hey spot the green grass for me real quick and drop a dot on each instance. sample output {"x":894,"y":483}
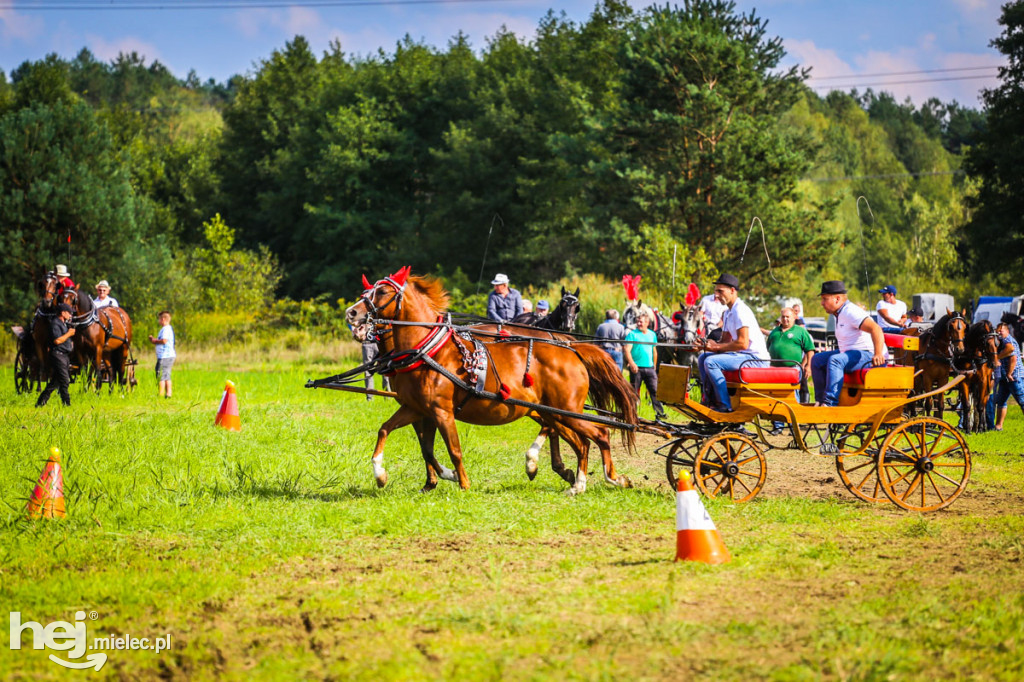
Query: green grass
{"x":271,"y":553}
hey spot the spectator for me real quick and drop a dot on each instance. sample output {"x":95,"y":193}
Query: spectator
{"x":165,"y":354}
{"x":641,"y":356}
{"x":892,"y":313}
{"x":712,"y":310}
{"x":861,"y":344}
{"x":612,"y":330}
{"x":997,"y":377}
{"x":370,"y":351}
{"x":527,"y":306}
{"x":504,"y":303}
{"x":798,"y":310}
{"x":103,"y":298}
{"x":60,"y":363}
{"x":742,"y":344}
{"x":794,"y":344}
{"x":1012,"y":381}
{"x":543,"y":308}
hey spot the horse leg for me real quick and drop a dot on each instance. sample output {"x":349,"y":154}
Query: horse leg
{"x":557,"y":465}
{"x":533,"y":452}
{"x":580,"y":447}
{"x":446,"y":425}
{"x":99,"y":367}
{"x":426,"y":430}
{"x":403,"y":417}
{"x":599,"y":435}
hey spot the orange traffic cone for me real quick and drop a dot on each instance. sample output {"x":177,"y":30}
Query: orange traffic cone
{"x":227,"y":413}
{"x":47,"y":499}
{"x":697,"y":539}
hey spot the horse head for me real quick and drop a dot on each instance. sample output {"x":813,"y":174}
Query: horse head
{"x":382,"y":300}
{"x":957,"y":333}
{"x":567,"y":310}
{"x":46,"y":289}
{"x":690,"y":323}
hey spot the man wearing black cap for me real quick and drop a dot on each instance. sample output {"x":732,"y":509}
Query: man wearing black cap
{"x":60,"y":376}
{"x":861,"y":343}
{"x":742,"y":344}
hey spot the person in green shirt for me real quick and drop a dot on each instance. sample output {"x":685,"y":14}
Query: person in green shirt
{"x":641,"y":357}
{"x":790,"y":341}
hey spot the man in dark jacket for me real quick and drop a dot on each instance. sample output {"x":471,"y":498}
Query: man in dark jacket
{"x":60,"y":340}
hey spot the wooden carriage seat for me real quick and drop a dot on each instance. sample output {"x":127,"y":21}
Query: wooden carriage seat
{"x":763,"y":375}
{"x":902,"y":342}
{"x":887,"y":377}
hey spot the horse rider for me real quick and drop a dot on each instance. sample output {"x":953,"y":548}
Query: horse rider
{"x":504,"y":304}
{"x":861,"y":344}
{"x":543,"y":308}
{"x":892,"y":313}
{"x":103,"y":298}
{"x":742,"y":344}
{"x":60,"y":349}
{"x":64,"y":281}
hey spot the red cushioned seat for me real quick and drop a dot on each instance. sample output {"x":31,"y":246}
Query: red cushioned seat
{"x":764,"y":375}
{"x":857,"y":378}
{"x":896,"y":340}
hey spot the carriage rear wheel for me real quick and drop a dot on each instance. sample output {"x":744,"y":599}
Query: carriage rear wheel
{"x":681,"y":456}
{"x":22,"y":373}
{"x":924,"y":464}
{"x":730,"y":464}
{"x":859,"y":473}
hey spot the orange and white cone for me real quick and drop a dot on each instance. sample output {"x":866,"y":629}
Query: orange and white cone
{"x":227,"y":413}
{"x":47,"y":499}
{"x":697,"y":539}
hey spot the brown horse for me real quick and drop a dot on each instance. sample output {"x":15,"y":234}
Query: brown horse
{"x":39,"y":329}
{"x":979,"y":361}
{"x":941,"y":346}
{"x":103,"y":337}
{"x":433,"y":395}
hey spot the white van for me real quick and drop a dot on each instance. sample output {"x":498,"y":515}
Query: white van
{"x":991,"y":308}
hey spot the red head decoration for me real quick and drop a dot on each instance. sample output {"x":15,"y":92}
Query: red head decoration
{"x":692,"y":294}
{"x":401,"y":276}
{"x":632,"y":287}
{"x":366,"y":284}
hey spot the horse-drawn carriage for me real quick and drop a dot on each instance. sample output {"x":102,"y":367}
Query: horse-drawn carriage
{"x":487,"y":374}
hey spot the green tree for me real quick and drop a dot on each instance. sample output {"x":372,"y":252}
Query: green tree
{"x":232,"y":279}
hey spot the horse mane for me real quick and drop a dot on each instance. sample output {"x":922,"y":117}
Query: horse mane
{"x":431,"y":289}
{"x":84,"y":301}
{"x":941,"y":326}
{"x":978,"y":330}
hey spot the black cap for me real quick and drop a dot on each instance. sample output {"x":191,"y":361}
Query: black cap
{"x":728,"y":280}
{"x":916,"y":311}
{"x":832,"y":286}
{"x":65,"y":308}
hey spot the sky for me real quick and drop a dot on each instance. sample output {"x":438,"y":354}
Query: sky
{"x":911,"y":48}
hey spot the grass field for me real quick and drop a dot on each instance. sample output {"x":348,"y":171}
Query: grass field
{"x":271,"y":553}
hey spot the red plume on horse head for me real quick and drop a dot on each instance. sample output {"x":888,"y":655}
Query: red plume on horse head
{"x":632,"y":287}
{"x":366,"y":284}
{"x":401,"y":276}
{"x":692,"y":294}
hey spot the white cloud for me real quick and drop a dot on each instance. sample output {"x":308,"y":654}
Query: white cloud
{"x":18,"y":27}
{"x":108,"y":50}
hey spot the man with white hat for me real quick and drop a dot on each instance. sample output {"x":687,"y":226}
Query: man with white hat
{"x":103,"y":298}
{"x":504,"y":303}
{"x":64,"y":280}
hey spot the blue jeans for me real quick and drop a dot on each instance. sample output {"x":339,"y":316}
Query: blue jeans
{"x":1007,"y":388}
{"x":990,"y":408}
{"x":616,"y":356}
{"x":711,"y":367}
{"x":827,"y":370}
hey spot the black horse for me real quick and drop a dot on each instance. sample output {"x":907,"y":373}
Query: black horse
{"x":561,"y":319}
{"x":1016,"y":323}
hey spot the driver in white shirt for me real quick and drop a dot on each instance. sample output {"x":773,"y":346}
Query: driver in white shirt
{"x":861,"y":343}
{"x":103,"y":298}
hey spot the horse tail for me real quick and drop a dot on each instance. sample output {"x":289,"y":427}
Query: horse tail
{"x":609,"y":390}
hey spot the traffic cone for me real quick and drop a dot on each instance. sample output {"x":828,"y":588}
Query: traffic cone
{"x":697,"y":539}
{"x":227,"y":413}
{"x":47,"y":499}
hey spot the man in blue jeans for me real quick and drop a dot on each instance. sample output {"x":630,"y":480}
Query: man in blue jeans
{"x":612,"y":330}
{"x":861,"y":343}
{"x":1012,"y":382}
{"x":742,"y":344}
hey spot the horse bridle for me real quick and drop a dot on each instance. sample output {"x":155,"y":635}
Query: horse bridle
{"x":570,"y":310}
{"x":373,"y":311}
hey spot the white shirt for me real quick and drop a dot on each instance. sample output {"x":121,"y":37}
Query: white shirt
{"x":712,"y":310}
{"x":894,"y":310}
{"x":105,"y":303}
{"x":165,"y":350}
{"x":848,"y":332}
{"x":738,"y":316}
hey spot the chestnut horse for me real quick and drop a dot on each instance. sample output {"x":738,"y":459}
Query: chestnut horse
{"x":941,"y":346}
{"x":979,"y":360}
{"x":546,"y":374}
{"x":103,"y":336}
{"x":39,"y":328}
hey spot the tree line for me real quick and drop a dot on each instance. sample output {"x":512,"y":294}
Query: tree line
{"x":636,"y":141}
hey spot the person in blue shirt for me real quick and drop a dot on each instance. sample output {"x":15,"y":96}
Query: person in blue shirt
{"x":612,"y":330}
{"x":1013,"y":374}
{"x":641,"y":356}
{"x":504,"y":303}
{"x":165,"y":355}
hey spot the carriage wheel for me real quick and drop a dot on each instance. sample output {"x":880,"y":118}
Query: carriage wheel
{"x":730,"y":464}
{"x":924,"y":464}
{"x":22,"y":373}
{"x":859,"y":473}
{"x":681,"y":456}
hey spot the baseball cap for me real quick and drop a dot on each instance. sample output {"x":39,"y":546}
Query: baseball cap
{"x":887,"y":289}
{"x":542,"y":305}
{"x":65,"y":308}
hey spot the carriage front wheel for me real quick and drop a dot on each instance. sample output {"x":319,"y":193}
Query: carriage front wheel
{"x":730,"y":464}
{"x":924,"y":464}
{"x":22,"y":372}
{"x":681,"y":455}
{"x":859,"y":473}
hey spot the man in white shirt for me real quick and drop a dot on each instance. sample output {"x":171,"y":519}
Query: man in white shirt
{"x":892,"y":313}
{"x":742,"y":344}
{"x":861,"y":343}
{"x":712,"y":311}
{"x":103,"y":298}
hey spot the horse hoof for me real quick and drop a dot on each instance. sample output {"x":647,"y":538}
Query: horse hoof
{"x":428,"y":487}
{"x":570,"y":478}
{"x":382,"y":480}
{"x":531,"y":472}
{"x":624,"y":482}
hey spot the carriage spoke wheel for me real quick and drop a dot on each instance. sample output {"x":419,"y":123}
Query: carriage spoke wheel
{"x":681,"y":456}
{"x":22,"y":373}
{"x":924,"y":464}
{"x":859,"y":473}
{"x":730,"y":465}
